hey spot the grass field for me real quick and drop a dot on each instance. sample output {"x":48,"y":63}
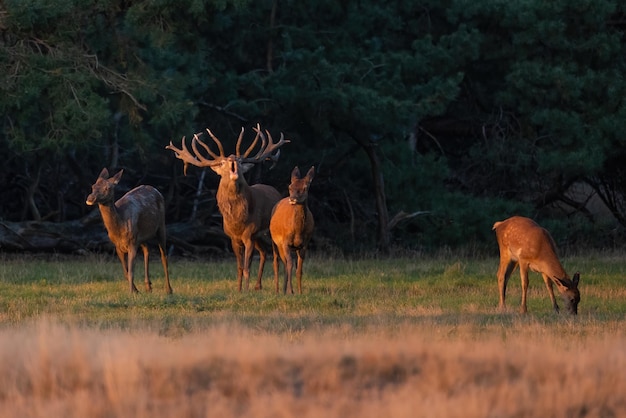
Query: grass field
{"x":402,"y":337}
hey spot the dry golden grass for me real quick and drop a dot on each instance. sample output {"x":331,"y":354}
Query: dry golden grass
{"x":519,"y":369}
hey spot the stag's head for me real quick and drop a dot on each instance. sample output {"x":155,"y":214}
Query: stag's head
{"x":299,"y":186}
{"x":230,"y":167}
{"x":103,"y":190}
{"x":570,"y":293}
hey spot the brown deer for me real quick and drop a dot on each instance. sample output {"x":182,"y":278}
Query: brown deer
{"x":522,"y":242}
{"x":131,"y":222}
{"x":291,"y":228}
{"x":245,"y":209}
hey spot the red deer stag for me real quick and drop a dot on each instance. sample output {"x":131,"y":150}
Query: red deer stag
{"x":134,"y":219}
{"x":522,"y":242}
{"x":291,"y":228}
{"x":245,"y":209}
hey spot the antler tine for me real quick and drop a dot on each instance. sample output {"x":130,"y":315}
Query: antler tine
{"x":196,"y":140}
{"x":217,"y":141}
{"x":238,"y":146}
{"x":266,"y":150}
{"x":251,"y":147}
{"x":183,"y":154}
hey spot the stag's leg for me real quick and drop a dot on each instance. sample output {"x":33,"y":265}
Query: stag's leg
{"x":548,"y":283}
{"x":504,"y":272}
{"x":247,"y":261}
{"x":238,"y":250}
{"x":523,"y":272}
{"x":146,"y":267}
{"x":262,"y":256}
{"x":301,"y":255}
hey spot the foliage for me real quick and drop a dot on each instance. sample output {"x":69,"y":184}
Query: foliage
{"x":477,"y":109}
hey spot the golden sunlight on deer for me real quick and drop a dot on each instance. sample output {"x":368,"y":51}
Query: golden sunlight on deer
{"x":291,"y":228}
{"x":245,"y":209}
{"x":134,"y":219}
{"x":523,"y":242}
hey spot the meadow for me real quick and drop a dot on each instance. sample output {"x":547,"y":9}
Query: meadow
{"x":408,"y":336}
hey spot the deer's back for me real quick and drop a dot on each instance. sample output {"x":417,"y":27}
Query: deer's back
{"x":526,"y":241}
{"x":144,"y":208}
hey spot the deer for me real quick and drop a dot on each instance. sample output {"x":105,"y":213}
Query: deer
{"x":246,"y":209}
{"x":131,"y":222}
{"x":522,"y":242}
{"x":291,"y":228}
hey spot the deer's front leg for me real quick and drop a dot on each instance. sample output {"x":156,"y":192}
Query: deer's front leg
{"x":548,"y":283}
{"x":238,"y":250}
{"x":132,"y":253}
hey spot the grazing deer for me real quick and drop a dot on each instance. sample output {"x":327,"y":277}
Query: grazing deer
{"x":131,"y":221}
{"x":291,"y":228}
{"x":245,"y":209}
{"x":522,"y":242}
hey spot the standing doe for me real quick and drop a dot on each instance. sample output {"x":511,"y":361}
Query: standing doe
{"x":135,"y":218}
{"x":522,"y":242}
{"x":245,"y":209}
{"x":291,"y":228}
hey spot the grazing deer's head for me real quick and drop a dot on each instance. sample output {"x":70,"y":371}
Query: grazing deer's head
{"x":569,"y":292}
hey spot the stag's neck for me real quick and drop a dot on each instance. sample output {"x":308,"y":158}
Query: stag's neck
{"x":233,"y":199}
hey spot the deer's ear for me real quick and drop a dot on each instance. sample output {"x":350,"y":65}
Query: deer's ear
{"x":295,"y":173}
{"x":104,"y":174}
{"x":311,"y":173}
{"x":116,"y":178}
{"x":245,"y":167}
{"x":576,"y":279}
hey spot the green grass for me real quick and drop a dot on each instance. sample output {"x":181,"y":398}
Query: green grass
{"x":354,"y":294}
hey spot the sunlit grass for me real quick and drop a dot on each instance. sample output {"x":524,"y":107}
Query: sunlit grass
{"x":402,"y":337}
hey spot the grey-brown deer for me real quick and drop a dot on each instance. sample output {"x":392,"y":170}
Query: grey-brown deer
{"x":245,"y":209}
{"x":131,"y":222}
{"x":291,"y":228}
{"x":523,"y":242}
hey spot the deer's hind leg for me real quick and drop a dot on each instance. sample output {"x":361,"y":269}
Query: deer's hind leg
{"x":507,"y":265}
{"x":146,"y":267}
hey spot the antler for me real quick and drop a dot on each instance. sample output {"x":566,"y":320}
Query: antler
{"x":269,"y":149}
{"x":196,"y":158}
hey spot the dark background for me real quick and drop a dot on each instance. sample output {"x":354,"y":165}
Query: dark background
{"x":426,"y":120}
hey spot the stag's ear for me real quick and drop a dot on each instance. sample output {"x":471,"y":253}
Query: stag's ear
{"x":116,"y":178}
{"x":310,"y":174}
{"x":245,"y":167}
{"x":576,"y":279}
{"x":295,"y":173}
{"x":104,"y":174}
